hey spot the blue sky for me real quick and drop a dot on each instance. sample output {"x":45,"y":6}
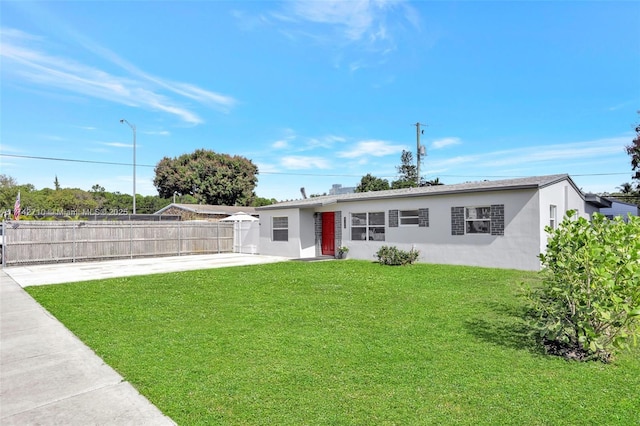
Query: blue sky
{"x":319,"y":92}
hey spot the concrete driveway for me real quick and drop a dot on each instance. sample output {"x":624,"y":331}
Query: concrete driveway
{"x":83,"y":271}
{"x":47,"y":375}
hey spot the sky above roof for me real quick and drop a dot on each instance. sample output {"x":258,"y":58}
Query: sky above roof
{"x":317,"y":93}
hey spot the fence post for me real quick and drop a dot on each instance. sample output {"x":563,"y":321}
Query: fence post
{"x":218,"y":235}
{"x":130,"y":238}
{"x":4,"y":240}
{"x":73,"y":247}
{"x":179,"y":237}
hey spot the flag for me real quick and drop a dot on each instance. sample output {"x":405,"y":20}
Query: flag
{"x":16,"y":208}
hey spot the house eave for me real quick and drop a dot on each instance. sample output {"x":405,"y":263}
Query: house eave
{"x":536,"y":182}
{"x":597,"y":201}
{"x":435,"y":194}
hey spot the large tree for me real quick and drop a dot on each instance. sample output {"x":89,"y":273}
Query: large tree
{"x":627,"y":191}
{"x":212,"y":178}
{"x":634,"y":151}
{"x":407,"y":172}
{"x":372,"y":183}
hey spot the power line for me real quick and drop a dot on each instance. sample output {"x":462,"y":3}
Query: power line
{"x":32,"y":157}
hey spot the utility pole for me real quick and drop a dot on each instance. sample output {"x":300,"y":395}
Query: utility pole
{"x":420,"y":150}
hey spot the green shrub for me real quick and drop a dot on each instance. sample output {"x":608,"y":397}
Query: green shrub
{"x":394,"y":256}
{"x":588,"y":305}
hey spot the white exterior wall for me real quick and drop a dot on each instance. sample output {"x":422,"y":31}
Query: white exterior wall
{"x":565,"y":197}
{"x":517,"y":248}
{"x":301,"y":241}
{"x":290,"y":248}
{"x":307,"y":234}
{"x":620,"y":209}
{"x":526,"y":214}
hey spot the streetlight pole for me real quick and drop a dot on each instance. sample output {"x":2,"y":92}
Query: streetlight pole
{"x":133,"y":127}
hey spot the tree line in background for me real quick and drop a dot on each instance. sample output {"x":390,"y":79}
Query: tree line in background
{"x":58,"y":201}
{"x":203,"y":177}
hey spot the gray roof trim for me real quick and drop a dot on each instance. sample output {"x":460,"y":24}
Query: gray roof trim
{"x":613,"y":199}
{"x":426,"y":191}
{"x":597,"y":200}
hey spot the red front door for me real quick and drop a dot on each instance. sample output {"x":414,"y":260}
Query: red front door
{"x":328,"y":234}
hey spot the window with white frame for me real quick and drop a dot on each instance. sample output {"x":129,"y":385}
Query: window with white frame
{"x":478,"y":220}
{"x":367,"y":226}
{"x":553,"y":216}
{"x":409,"y":217}
{"x":280,"y":228}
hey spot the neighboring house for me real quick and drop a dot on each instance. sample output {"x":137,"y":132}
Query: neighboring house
{"x":338,"y":189}
{"x":490,"y":223}
{"x":204,"y":211}
{"x":620,"y":208}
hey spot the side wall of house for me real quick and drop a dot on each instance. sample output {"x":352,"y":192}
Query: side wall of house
{"x":439,"y":228}
{"x":300,"y":240}
{"x":620,"y":209}
{"x":564,"y":197}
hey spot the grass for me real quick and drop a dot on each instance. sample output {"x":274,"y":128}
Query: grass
{"x":341,"y":343}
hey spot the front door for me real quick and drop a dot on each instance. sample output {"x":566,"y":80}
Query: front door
{"x":328,"y":234}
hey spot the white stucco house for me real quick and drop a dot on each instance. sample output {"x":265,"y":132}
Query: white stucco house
{"x":489,"y":223}
{"x":620,"y":208}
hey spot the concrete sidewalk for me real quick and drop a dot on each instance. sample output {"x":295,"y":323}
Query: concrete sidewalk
{"x":47,"y":375}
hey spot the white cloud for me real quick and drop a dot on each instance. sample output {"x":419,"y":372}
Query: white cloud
{"x":200,"y":95}
{"x":267,"y":167}
{"x":158,"y":132}
{"x":117,"y":144}
{"x":299,"y":162}
{"x":374,"y":148}
{"x":289,"y":135}
{"x":370,"y":26}
{"x":356,"y":18}
{"x":323,"y":142}
{"x":24,"y":61}
{"x":559,"y":155}
{"x":445,"y":142}
{"x":564,"y":152}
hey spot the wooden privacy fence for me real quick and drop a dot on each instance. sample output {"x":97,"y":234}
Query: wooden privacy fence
{"x":27,"y":242}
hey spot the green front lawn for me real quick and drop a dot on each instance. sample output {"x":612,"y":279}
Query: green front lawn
{"x":341,"y":343}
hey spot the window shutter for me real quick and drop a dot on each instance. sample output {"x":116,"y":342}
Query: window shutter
{"x":393,"y":218}
{"x":457,"y":220}
{"x":497,"y":219}
{"x":423,"y":218}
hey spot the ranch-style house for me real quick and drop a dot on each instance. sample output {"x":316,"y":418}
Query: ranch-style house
{"x":490,"y":223}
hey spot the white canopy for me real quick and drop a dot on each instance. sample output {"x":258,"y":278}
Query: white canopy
{"x":239,"y":217}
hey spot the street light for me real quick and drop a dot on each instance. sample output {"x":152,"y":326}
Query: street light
{"x":133,"y":127}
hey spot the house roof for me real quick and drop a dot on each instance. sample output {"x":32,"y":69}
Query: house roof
{"x":619,"y":201}
{"x":459,"y":188}
{"x":597,"y":200}
{"x":209,"y":209}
